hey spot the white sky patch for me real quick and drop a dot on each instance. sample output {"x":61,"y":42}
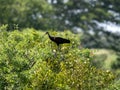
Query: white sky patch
{"x":55,"y":1}
{"x":110,"y":27}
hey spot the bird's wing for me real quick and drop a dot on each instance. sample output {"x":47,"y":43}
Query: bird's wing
{"x":62,"y":40}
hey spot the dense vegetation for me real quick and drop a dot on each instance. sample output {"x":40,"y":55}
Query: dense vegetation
{"x":29,"y":60}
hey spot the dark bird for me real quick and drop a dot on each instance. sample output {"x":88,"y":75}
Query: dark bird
{"x":58,"y":40}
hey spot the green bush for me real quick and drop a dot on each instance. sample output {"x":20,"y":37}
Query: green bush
{"x":30,"y":61}
{"x":116,"y":64}
{"x":99,"y":60}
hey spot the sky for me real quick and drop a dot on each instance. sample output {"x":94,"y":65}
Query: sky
{"x":111,"y":27}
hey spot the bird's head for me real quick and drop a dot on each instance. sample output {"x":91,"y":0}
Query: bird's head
{"x":47,"y":33}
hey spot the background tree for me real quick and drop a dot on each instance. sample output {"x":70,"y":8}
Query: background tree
{"x":82,"y":14}
{"x":28,"y":13}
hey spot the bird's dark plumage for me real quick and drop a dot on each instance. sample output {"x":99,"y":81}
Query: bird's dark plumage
{"x":58,"y":40}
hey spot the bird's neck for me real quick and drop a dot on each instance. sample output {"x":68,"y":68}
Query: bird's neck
{"x":49,"y":36}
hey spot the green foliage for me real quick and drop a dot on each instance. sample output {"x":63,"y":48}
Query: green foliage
{"x":25,"y":13}
{"x":103,"y":58}
{"x":84,"y":13}
{"x":115,"y":86}
{"x":99,"y":60}
{"x":102,"y":39}
{"x":29,"y":60}
{"x":59,"y":14}
{"x":116,"y":64}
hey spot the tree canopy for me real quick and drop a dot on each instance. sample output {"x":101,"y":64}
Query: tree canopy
{"x":25,"y":13}
{"x":61,"y":14}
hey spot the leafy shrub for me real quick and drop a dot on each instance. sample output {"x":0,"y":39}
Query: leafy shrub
{"x":99,"y":60}
{"x":116,"y":64}
{"x":29,"y":60}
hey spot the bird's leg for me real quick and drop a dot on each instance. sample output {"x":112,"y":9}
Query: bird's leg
{"x":59,"y":48}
